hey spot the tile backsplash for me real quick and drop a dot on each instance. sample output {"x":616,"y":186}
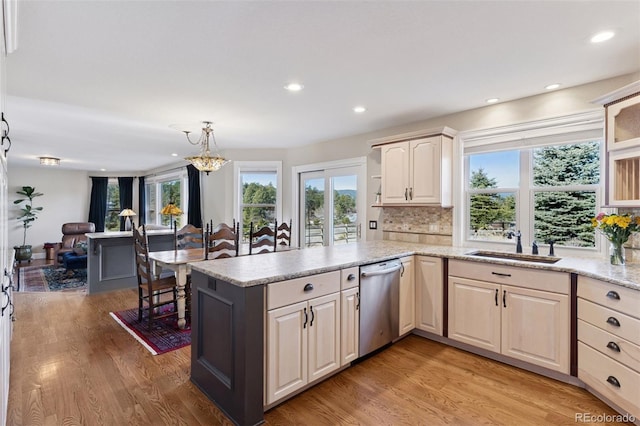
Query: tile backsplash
{"x":428,"y":225}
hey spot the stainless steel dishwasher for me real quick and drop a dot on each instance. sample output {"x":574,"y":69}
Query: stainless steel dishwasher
{"x":379,"y":304}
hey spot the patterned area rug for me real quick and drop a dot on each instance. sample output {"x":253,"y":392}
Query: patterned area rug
{"x":165,"y":336}
{"x":53,"y":279}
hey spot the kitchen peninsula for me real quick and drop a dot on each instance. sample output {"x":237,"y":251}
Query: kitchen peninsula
{"x":238,"y":303}
{"x":111,"y":261}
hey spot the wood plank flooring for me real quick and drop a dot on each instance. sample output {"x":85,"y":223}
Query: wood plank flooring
{"x":71,"y":364}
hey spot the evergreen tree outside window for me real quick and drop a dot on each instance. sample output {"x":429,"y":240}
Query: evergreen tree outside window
{"x":258,"y":199}
{"x":112,"y":220}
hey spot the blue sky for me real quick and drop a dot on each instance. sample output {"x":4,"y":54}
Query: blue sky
{"x":502,"y":166}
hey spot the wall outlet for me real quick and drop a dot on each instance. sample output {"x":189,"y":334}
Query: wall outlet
{"x":373,"y":224}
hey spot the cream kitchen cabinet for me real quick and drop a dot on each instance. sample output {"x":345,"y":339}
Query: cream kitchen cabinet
{"x":416,"y":167}
{"x":622,"y":108}
{"x":429,"y":289}
{"x":407,"y":320}
{"x":350,"y":315}
{"x":609,"y":342}
{"x":303,"y":336}
{"x":518,"y":312}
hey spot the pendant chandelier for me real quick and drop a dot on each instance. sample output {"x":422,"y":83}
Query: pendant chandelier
{"x":205,"y":162}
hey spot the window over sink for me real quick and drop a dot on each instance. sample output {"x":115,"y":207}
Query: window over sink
{"x":542,"y":179}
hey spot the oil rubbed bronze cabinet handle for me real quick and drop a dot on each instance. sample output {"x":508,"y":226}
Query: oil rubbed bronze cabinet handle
{"x":306,"y":318}
{"x":504,"y":298}
{"x":497,"y":291}
{"x":613,"y":295}
{"x":308,"y":287}
{"x":406,"y":194}
{"x":612,"y":380}
{"x":358,"y":301}
{"x":613,"y":346}
{"x":312,"y":316}
{"x":613,"y":321}
{"x":351,"y":277}
{"x":500,"y":274}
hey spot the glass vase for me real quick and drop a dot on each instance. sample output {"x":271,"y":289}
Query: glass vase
{"x":616,"y":253}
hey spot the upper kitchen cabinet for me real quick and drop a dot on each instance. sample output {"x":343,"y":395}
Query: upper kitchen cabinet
{"x":622,"y":109}
{"x":417,"y":167}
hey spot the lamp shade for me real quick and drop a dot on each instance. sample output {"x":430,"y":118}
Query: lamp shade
{"x":171,"y":209}
{"x":127,"y":213}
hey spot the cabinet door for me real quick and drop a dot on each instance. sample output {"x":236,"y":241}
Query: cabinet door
{"x":474,"y":313}
{"x":349,"y":325}
{"x":407,"y":321}
{"x":286,"y":350}
{"x":395,"y":172}
{"x":622,"y":124}
{"x":324,"y":335}
{"x":424,"y":170}
{"x":535,"y":327}
{"x":429,"y":285}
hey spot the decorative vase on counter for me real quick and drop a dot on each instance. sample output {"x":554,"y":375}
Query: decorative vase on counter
{"x":616,"y":252}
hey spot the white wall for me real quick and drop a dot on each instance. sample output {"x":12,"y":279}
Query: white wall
{"x":65,"y":199}
{"x":67,"y":193}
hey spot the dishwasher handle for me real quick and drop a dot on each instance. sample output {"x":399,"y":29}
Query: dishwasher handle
{"x":390,"y":270}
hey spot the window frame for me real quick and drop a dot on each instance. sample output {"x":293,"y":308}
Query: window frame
{"x":525,"y":137}
{"x":240,"y":167}
{"x":156,"y":181}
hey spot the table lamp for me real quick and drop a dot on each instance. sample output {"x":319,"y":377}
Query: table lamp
{"x":127,"y":213}
{"x":172,"y":210}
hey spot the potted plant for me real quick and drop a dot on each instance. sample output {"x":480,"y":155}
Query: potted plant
{"x":28,"y":214}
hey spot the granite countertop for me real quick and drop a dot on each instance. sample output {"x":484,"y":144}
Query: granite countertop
{"x":247,"y":271}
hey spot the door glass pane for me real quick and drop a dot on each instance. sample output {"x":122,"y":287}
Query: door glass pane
{"x":313,"y":227}
{"x":345,"y":215}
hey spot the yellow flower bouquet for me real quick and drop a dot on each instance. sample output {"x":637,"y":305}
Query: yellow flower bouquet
{"x":617,"y":229}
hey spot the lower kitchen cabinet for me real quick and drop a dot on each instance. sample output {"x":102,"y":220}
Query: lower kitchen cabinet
{"x":350,"y":325}
{"x":407,"y":319}
{"x":510,"y":318}
{"x":429,"y":288}
{"x":303,"y":338}
{"x":609,"y":342}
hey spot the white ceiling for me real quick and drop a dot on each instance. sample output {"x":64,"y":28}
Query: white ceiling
{"x":98,"y":83}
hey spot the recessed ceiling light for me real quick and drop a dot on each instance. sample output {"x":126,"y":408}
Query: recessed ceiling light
{"x":359,"y":109}
{"x":602,"y":36}
{"x":174,"y":154}
{"x":492,"y":100}
{"x":294,"y":87}
{"x":552,"y":86}
{"x":103,"y":170}
{"x":49,"y":161}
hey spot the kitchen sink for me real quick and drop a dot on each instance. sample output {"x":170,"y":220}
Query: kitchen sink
{"x":514,"y":256}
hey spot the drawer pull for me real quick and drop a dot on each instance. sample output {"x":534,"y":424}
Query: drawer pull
{"x":613,"y":381}
{"x":613,"y":346}
{"x":500,"y":274}
{"x":308,"y":287}
{"x":613,"y":321}
{"x":613,"y":295}
{"x":351,"y":277}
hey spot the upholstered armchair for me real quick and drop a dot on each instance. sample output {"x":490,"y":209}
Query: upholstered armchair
{"x":72,"y":234}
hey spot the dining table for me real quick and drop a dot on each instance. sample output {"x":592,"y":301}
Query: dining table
{"x":177,"y":261}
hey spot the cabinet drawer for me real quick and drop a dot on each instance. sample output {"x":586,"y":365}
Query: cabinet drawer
{"x":609,"y":320}
{"x":293,"y":291}
{"x":612,"y":296}
{"x":556,"y":282}
{"x":610,"y":345}
{"x":349,"y":278}
{"x":598,"y":371}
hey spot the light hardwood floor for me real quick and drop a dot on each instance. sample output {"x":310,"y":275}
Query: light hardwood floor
{"x":71,"y":364}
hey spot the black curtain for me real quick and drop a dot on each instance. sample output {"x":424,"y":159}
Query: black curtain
{"x":125,"y":185}
{"x":142,"y":201}
{"x":98,"y":205}
{"x":194,"y":210}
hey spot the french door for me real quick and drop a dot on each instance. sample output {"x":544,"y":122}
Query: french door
{"x":331,"y":206}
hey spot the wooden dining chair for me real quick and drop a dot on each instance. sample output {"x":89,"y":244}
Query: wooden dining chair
{"x":152,"y":291}
{"x":223,"y":241}
{"x":189,"y":237}
{"x":262,"y":240}
{"x":283,"y":235}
